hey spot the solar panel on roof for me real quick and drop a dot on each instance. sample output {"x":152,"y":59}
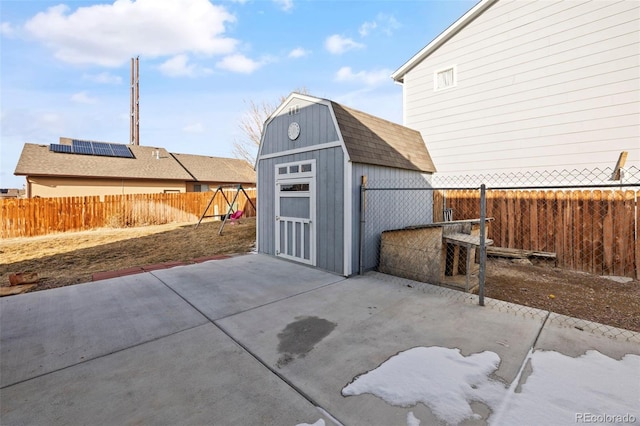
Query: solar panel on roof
{"x":121,"y":151}
{"x":103,"y":149}
{"x":82,"y":147}
{"x":60,"y":148}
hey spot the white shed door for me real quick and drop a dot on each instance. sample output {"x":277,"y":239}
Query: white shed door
{"x":295,"y":210}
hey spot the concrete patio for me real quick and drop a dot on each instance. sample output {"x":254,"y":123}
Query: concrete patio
{"x":249,"y":340}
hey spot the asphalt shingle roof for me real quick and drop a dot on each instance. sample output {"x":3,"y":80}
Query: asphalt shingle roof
{"x":373,"y":140}
{"x":149,"y":163}
{"x":216,"y":169}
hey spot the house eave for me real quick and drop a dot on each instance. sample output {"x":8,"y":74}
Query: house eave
{"x":68,"y":176}
{"x":473,"y":13}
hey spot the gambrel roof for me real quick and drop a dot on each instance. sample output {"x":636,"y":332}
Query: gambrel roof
{"x":369,"y":139}
{"x":373,"y":140}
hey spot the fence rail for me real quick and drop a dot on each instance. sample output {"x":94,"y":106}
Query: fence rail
{"x":594,"y":231}
{"x":40,"y":216}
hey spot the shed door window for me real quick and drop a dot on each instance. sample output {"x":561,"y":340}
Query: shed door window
{"x":444,"y":79}
{"x":295,"y":170}
{"x":296,"y":187}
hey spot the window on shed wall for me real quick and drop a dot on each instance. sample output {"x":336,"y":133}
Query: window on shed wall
{"x":444,"y":78}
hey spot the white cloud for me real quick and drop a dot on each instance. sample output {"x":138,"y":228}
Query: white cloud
{"x":194,"y":128}
{"x":298,"y":52}
{"x":370,"y":78}
{"x":103,"y":78}
{"x":387,"y":24}
{"x":285,"y":5}
{"x":83,"y":98}
{"x":6,"y":29}
{"x":109,"y":34}
{"x":366,"y":28}
{"x":179,"y":66}
{"x":336,"y":44}
{"x":239,"y":63}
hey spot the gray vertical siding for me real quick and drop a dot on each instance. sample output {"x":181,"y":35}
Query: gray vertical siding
{"x":391,"y":209}
{"x":329,"y":205}
{"x":316,"y":127}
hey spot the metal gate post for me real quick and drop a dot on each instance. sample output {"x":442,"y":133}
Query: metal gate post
{"x":483,"y":247}
{"x":363,"y":209}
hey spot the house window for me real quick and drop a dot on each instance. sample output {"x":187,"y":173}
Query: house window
{"x":444,"y":78}
{"x":200,"y":188}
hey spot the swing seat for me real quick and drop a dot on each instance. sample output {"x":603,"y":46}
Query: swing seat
{"x":235,"y":216}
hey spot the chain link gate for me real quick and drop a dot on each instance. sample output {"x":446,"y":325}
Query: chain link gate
{"x":577,"y":221}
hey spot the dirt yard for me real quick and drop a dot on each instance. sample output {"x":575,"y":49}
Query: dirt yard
{"x":72,"y":258}
{"x":575,"y":294}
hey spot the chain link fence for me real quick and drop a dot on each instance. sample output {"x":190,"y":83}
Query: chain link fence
{"x":579,"y":224}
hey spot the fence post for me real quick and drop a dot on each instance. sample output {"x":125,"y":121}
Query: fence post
{"x":363,"y":209}
{"x":483,"y":247}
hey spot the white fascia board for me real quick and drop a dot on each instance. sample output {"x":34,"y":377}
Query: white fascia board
{"x":348,"y":219}
{"x":348,"y":199}
{"x":473,"y":13}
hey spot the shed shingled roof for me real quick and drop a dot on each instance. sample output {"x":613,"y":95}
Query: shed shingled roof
{"x":373,"y":140}
{"x":38,"y":160}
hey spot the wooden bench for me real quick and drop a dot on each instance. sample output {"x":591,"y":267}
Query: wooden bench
{"x":469,"y":242}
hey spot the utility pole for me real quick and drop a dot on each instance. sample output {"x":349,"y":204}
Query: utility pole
{"x":134,"y":125}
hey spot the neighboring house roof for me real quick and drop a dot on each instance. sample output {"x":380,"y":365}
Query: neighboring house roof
{"x":149,"y":163}
{"x":216,"y":169}
{"x":11,"y":192}
{"x":472,"y":14}
{"x":373,"y":140}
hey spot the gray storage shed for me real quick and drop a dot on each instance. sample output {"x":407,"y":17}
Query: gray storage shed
{"x":312,"y":155}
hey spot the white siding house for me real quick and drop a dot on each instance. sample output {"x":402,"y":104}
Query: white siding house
{"x":519,"y":85}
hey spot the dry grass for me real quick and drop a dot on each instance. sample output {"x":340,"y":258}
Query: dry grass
{"x":72,"y":258}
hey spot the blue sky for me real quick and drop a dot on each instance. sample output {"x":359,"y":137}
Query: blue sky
{"x":65,"y":66}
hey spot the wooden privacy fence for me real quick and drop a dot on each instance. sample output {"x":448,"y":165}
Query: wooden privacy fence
{"x":40,"y":216}
{"x":594,"y":231}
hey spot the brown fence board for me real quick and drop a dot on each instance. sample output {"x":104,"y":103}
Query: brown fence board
{"x":629,"y":234}
{"x":607,"y":234}
{"x":595,"y":231}
{"x":41,"y":216}
{"x":637,"y":236}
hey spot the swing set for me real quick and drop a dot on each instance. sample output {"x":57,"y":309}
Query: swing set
{"x":232,"y":213}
